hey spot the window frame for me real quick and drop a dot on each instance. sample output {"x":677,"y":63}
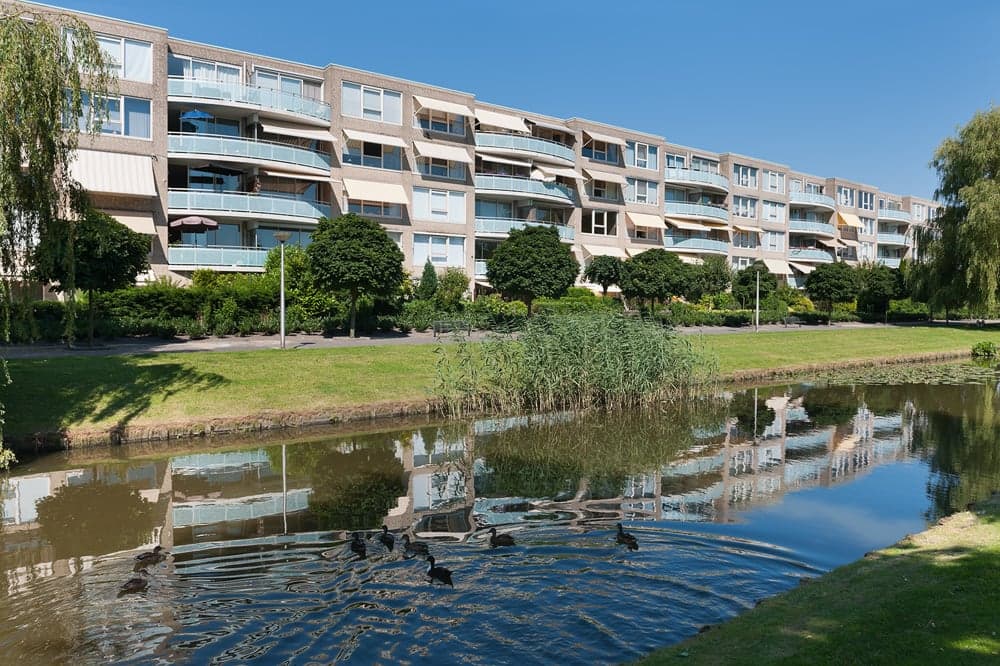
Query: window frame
{"x":751,"y":207}
{"x":592,"y":219}
{"x":745,"y":176}
{"x":358,"y":206}
{"x":381,"y":97}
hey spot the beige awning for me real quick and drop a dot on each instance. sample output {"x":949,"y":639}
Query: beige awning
{"x":494,"y":119}
{"x":113,"y":173}
{"x":358,"y":135}
{"x":749,"y":229}
{"x":849,"y":220}
{"x":606,"y":177}
{"x":829,"y":242}
{"x":138,"y":221}
{"x":441,"y":105}
{"x":555,"y":127}
{"x":296,"y":176}
{"x":632,"y":251}
{"x":443,"y":152}
{"x":687,"y":259}
{"x":504,"y":160}
{"x":850,"y":243}
{"x":645,"y":220}
{"x":606,"y":138}
{"x":684,"y":224}
{"x":605,"y":251}
{"x":778,"y":266}
{"x":290,"y":129}
{"x":560,"y":171}
{"x":802,"y":268}
{"x":366,"y":190}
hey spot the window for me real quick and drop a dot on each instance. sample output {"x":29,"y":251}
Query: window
{"x":291,"y":85}
{"x":226,"y":235}
{"x":439,"y":121}
{"x":672,"y":161}
{"x":745,"y":239}
{"x":600,"y":222}
{"x":125,"y":116}
{"x":129,"y":59}
{"x":503,"y":210}
{"x":374,"y":208}
{"x":265,"y":237}
{"x":600,"y":189}
{"x":640,"y":155}
{"x":601,"y":151}
{"x":773,"y":211}
{"x":438,"y":205}
{"x":433,"y":166}
{"x":745,"y":207}
{"x":702,"y":164}
{"x":645,"y":233}
{"x":866,"y":200}
{"x":202,"y":70}
{"x":845,"y":195}
{"x":385,"y":106}
{"x":440,"y":250}
{"x":813,"y":188}
{"x":869,"y":225}
{"x":375,"y":155}
{"x":795,"y":185}
{"x":745,"y":176}
{"x":919,"y":211}
{"x":774,"y":241}
{"x":640,"y":191}
{"x":867,"y":251}
{"x":774,"y":181}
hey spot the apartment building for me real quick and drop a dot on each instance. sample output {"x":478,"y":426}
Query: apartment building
{"x":212,"y":151}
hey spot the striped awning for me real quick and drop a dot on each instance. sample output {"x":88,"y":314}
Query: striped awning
{"x":102,"y":172}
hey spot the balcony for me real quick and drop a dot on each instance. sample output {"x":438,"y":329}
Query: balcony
{"x":807,"y":227}
{"x":242,"y":204}
{"x":191,"y":257}
{"x":810,"y":254}
{"x":521,"y":144}
{"x":480,"y":268}
{"x":515,"y":186}
{"x":244,"y":150}
{"x":502,"y":226}
{"x":684,"y":244}
{"x":891,"y":262}
{"x":897,"y":215}
{"x":696,"y":210}
{"x":810,"y":199}
{"x":892,"y":239}
{"x":693,"y":177}
{"x":238,"y":94}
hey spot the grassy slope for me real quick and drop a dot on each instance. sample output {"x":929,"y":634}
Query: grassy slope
{"x":88,"y":392}
{"x":934,"y":598}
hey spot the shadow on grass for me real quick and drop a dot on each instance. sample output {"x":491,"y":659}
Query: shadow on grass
{"x":48,"y":396}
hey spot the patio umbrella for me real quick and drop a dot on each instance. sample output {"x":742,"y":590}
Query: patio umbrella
{"x":194,"y":223}
{"x":218,"y":170}
{"x":196,"y":114}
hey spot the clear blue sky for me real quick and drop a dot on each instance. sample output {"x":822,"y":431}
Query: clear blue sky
{"x":860,"y":89}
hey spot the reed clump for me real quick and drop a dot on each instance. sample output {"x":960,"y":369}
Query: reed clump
{"x":573,"y":361}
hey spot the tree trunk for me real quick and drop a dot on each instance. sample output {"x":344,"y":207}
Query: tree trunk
{"x":354,"y":311}
{"x":604,"y":292}
{"x":91,"y":308}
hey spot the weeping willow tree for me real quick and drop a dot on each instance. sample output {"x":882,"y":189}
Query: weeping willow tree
{"x":51,"y":66}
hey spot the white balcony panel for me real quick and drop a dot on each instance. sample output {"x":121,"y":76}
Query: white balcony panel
{"x":366,"y":190}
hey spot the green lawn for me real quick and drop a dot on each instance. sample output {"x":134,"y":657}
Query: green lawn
{"x":101,"y":392}
{"x":934,"y":598}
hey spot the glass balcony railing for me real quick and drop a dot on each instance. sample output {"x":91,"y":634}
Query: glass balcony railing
{"x":480,"y":267}
{"x":678,"y":175}
{"x":243,"y":203}
{"x":809,"y":254}
{"x":688,"y":209}
{"x":891,"y":262}
{"x":525,"y":144}
{"x":227,"y":146}
{"x":891,"y":239}
{"x":695,"y":244}
{"x":887,"y":214}
{"x":216,"y":257}
{"x":528,"y":186}
{"x":263,"y":98}
{"x":808,"y":227}
{"x":499,"y":225}
{"x":810,"y":199}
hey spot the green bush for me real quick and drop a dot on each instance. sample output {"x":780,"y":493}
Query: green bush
{"x":418,"y":315}
{"x":582,"y":300}
{"x":985,"y":349}
{"x":907,"y":310}
{"x":724,"y":301}
{"x":492,"y":312}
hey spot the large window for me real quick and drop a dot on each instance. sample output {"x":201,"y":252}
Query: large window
{"x":439,"y":121}
{"x":672,"y":161}
{"x":868,"y":225}
{"x":774,"y":241}
{"x":433,"y":166}
{"x":866,"y":200}
{"x":358,"y":101}
{"x":125,"y":116}
{"x":601,"y":151}
{"x":600,"y":189}
{"x":640,"y":191}
{"x":745,"y":176}
{"x":292,"y":85}
{"x":441,"y":250}
{"x":919,"y":212}
{"x":438,"y":205}
{"x":745,"y":239}
{"x":226,"y":235}
{"x":503,"y":210}
{"x":130,"y":59}
{"x":745,"y":207}
{"x":845,"y":195}
{"x":266,"y":239}
{"x":739,"y":263}
{"x":641,"y":155}
{"x":702,"y":164}
{"x":773,"y":211}
{"x":600,"y":222}
{"x":867,"y":251}
{"x":202,"y":70}
{"x":774,"y":181}
{"x":375,"y":208}
{"x":813,"y":188}
{"x":375,"y":155}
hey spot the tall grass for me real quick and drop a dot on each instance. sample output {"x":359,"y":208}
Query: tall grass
{"x":572,"y":361}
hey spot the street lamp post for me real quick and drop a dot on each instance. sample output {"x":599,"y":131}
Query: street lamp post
{"x":282,"y":237}
{"x":756,"y":314}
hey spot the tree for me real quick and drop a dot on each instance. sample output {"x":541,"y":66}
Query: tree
{"x":532,"y":262}
{"x":605,"y":271}
{"x":428,"y":284}
{"x":451,"y":288}
{"x":355,"y":255}
{"x":712,"y":276}
{"x":654,"y":275}
{"x":878,"y":285}
{"x":832,"y":283}
{"x":745,"y":284}
{"x":107,"y":255}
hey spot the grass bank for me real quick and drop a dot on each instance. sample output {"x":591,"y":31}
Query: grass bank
{"x":248,"y":390}
{"x":933,"y":598}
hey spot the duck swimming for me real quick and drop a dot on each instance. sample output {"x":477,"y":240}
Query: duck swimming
{"x":626,"y":539}
{"x":135,"y":583}
{"x":358,"y":546}
{"x":500,"y":539}
{"x":388,"y":540}
{"x":154,"y":556}
{"x":439,"y":574}
{"x":413,"y":548}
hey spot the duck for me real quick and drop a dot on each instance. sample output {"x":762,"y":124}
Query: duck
{"x":388,"y":539}
{"x":358,"y":546}
{"x":440,"y":574}
{"x":626,"y":539}
{"x":413,"y":548}
{"x":154,"y":556}
{"x":500,"y":539}
{"x":135,"y":583}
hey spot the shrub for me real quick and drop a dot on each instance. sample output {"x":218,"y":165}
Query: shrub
{"x":585,"y":302}
{"x":985,"y":349}
{"x":493,"y":312}
{"x":418,"y":315}
{"x":725,"y":301}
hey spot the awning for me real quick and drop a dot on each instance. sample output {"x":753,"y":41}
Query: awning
{"x":366,"y":190}
{"x":605,"y":251}
{"x":752,"y":230}
{"x":140,"y":222}
{"x":687,"y":259}
{"x":850,"y":220}
{"x":113,"y":173}
{"x":296,"y":176}
{"x":606,"y":138}
{"x":441,"y":105}
{"x":504,"y":160}
{"x":802,"y":268}
{"x":443,"y":152}
{"x":645,"y":220}
{"x":850,"y":243}
{"x":778,"y":266}
{"x":289,"y":129}
{"x":358,"y":135}
{"x":606,"y":177}
{"x":555,"y":127}
{"x":632,"y":251}
{"x":829,"y":242}
{"x":494,"y":119}
{"x":560,"y":171}
{"x":684,"y":224}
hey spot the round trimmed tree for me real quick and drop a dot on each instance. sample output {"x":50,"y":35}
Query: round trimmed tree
{"x":832,"y":283}
{"x":655,"y":275}
{"x":355,"y":255}
{"x":605,"y":271}
{"x":745,"y":284}
{"x":532,"y":262}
